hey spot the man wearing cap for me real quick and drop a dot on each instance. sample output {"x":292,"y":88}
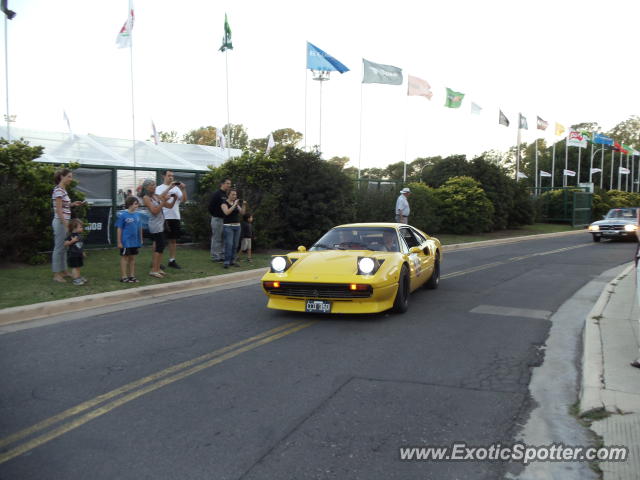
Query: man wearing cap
{"x":402,"y":206}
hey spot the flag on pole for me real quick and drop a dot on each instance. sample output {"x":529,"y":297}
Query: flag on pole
{"x":601,"y":139}
{"x":222,"y":142}
{"x":5,"y":9}
{"x":454,"y":99}
{"x":226,"y":39}
{"x":320,"y":60}
{"x":569,"y":173}
{"x":559,"y":129}
{"x":522,"y":175}
{"x":66,"y":119}
{"x":544,"y":174}
{"x":624,"y":171}
{"x":379,"y":73}
{"x":154,"y":133}
{"x":626,"y":148}
{"x":541,"y":124}
{"x":476,"y":109}
{"x":419,"y":87}
{"x":522,"y":122}
{"x":576,"y":139}
{"x":503,"y":120}
{"x":619,"y":148}
{"x":270,"y":143}
{"x":123,"y":40}
{"x":595,"y":170}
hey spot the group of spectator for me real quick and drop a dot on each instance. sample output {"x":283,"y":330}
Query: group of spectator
{"x":229,"y":224}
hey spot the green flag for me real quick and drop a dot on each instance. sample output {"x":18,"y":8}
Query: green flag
{"x":454,"y":99}
{"x":226,"y":40}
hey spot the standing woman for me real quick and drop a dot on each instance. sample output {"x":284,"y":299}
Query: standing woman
{"x":61,"y":215}
{"x":154,"y":204}
{"x":233,"y":211}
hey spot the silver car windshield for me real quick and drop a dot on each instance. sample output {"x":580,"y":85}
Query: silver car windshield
{"x":361,"y":238}
{"x":622,"y":213}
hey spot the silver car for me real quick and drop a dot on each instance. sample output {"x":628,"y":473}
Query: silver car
{"x":617,"y":223}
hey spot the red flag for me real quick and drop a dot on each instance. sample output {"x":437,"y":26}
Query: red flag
{"x":618,"y":148}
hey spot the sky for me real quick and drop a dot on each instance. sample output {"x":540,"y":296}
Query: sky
{"x":566,"y":62}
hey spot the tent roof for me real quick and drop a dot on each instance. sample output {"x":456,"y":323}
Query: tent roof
{"x":91,"y":150}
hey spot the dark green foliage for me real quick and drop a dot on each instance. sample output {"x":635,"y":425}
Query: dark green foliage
{"x":25,"y":202}
{"x":442,"y":169}
{"x":426,"y":208}
{"x":373,"y":204}
{"x":465,"y":206}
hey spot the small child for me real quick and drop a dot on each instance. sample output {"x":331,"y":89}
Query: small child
{"x":129,"y":239}
{"x":75,"y":253}
{"x":246,"y":234}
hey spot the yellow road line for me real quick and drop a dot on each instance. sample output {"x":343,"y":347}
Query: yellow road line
{"x":133,"y":385}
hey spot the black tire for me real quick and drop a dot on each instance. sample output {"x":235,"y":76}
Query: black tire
{"x":597,"y":238}
{"x":434,"y":281}
{"x":401,"y":303}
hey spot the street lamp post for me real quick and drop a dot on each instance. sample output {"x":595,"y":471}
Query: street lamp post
{"x":320,"y":76}
{"x":591,"y":163}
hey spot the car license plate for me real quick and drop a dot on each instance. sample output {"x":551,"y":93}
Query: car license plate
{"x":318,"y":306}
{"x":610,"y":233}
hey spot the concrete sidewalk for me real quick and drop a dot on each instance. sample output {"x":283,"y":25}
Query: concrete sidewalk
{"x":608,"y":381}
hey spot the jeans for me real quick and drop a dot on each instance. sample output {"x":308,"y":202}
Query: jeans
{"x":59,"y":255}
{"x":216,"y":238}
{"x":231,"y":240}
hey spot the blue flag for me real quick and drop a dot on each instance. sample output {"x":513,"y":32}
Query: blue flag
{"x":601,"y":139}
{"x":319,"y":60}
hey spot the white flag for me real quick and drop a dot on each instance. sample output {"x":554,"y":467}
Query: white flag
{"x":66,"y":119}
{"x":596,"y":170}
{"x":544,"y":174}
{"x":522,"y":175}
{"x":576,"y":139}
{"x":221,"y":140}
{"x":624,"y":171}
{"x":123,"y":40}
{"x":270,"y":143}
{"x":569,"y":173}
{"x":418,"y":86}
{"x":155,"y":132}
{"x":476,"y":109}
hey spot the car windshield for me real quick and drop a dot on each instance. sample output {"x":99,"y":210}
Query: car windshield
{"x":625,"y":213}
{"x":359,"y":238}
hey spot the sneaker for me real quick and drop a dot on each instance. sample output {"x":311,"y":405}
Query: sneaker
{"x":156,"y":274}
{"x":174,"y":264}
{"x":124,"y":280}
{"x":133,"y":280}
{"x":78,"y":281}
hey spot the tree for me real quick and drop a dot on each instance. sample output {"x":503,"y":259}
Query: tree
{"x":236,"y":136}
{"x":445,"y":168}
{"x":287,"y":137}
{"x":168,"y":137}
{"x":627,"y":132}
{"x":201,"y":136}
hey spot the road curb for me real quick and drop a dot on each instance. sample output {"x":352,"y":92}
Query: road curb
{"x":592,"y":354}
{"x":36,"y":311}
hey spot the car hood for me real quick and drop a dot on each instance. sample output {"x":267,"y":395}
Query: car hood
{"x":330,"y":265}
{"x":615,"y":221}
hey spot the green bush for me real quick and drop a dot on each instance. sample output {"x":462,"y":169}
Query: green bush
{"x":426,"y":208}
{"x":465,"y":206}
{"x":25,"y":202}
{"x":373,"y":204}
{"x":618,"y":198}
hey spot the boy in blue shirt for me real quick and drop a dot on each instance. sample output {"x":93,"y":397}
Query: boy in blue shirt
{"x":129,"y":239}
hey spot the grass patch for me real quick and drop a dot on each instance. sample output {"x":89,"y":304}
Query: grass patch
{"x":26,"y":284}
{"x":534,"y":229}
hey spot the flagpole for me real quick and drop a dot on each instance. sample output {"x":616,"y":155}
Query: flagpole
{"x":536,"y":170}
{"x":553,"y":163}
{"x":226,"y":61}
{"x":306,"y":80}
{"x":579,"y":153}
{"x":518,"y":150}
{"x":6,"y":73}
{"x":360,"y":141}
{"x":602,"y":168}
{"x":406,"y":135}
{"x":613,"y":156}
{"x":320,"y":119}
{"x":591,"y":161}
{"x":133,"y":114}
{"x":565,"y":180}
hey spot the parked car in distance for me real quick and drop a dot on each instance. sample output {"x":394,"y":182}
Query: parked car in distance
{"x":617,"y":223}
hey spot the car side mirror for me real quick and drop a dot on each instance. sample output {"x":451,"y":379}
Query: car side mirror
{"x":302,"y":249}
{"x":604,"y":217}
{"x":415,"y":250}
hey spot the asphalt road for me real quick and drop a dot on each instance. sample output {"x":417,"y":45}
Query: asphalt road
{"x":216,"y":386}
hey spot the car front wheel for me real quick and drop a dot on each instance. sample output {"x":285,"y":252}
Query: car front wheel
{"x":401,"y":303}
{"x":596,"y":238}
{"x":434,"y":281}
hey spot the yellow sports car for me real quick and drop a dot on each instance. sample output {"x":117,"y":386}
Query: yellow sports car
{"x":355,"y":268}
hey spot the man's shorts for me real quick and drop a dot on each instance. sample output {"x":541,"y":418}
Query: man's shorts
{"x":158,"y":239}
{"x":245,"y":244}
{"x":75,"y":262}
{"x":125,"y":252}
{"x":172,"y":229}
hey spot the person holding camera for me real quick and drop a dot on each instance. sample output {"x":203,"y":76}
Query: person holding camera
{"x":178,"y":191}
{"x":233,"y":210}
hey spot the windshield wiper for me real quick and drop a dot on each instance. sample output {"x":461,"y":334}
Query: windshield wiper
{"x":321,"y":245}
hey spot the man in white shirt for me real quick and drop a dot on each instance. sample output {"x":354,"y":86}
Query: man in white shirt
{"x":402,"y":206}
{"x":172,"y":215}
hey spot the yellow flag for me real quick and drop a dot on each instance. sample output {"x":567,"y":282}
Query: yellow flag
{"x":559,"y":129}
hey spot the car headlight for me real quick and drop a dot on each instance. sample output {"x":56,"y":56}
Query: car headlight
{"x":630,"y":228}
{"x":368,"y":265}
{"x":279,"y":264}
{"x":594,"y":228}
